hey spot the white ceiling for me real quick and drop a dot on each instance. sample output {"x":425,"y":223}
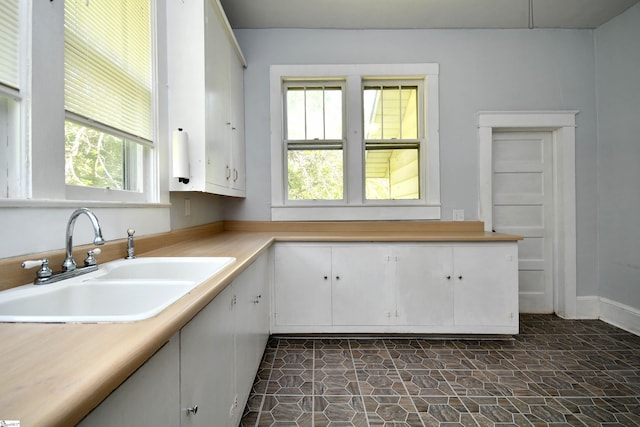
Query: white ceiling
{"x":405,"y":14}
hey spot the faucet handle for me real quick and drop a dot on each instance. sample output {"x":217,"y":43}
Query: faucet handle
{"x":90,"y":260}
{"x":44,"y":272}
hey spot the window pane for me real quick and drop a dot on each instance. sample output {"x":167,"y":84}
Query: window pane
{"x":295,"y":114}
{"x":390,"y":112}
{"x":333,"y":113}
{"x":315,"y":174}
{"x":372,"y":121}
{"x":314,"y":113}
{"x":97,"y":159}
{"x":409,"y":112}
{"x":392,"y":173}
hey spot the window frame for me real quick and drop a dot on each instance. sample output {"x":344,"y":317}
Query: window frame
{"x":355,"y":206}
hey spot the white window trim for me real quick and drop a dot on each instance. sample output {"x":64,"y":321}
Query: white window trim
{"x":355,"y":207}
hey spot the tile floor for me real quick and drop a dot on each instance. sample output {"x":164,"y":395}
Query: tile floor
{"x":554,"y":373}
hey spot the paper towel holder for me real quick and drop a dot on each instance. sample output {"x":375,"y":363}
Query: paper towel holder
{"x":180,"y":157}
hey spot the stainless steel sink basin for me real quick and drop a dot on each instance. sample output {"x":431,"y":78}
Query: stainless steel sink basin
{"x":119,"y":291}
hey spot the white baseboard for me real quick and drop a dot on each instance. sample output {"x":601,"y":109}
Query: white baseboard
{"x":620,"y":315}
{"x":587,"y":307}
{"x":615,"y":313}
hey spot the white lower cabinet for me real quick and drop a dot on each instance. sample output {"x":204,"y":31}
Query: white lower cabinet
{"x":203,"y":376}
{"x":221,"y":350}
{"x":411,"y":288}
{"x":149,"y":397}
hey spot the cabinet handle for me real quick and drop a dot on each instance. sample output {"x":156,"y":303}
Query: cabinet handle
{"x":193,"y":410}
{"x":448,"y":277}
{"x":337,"y":277}
{"x":228,"y":173}
{"x":325,"y":277}
{"x":235,"y":174}
{"x":460,"y":277}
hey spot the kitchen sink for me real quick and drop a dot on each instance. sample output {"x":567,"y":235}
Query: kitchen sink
{"x":119,"y":291}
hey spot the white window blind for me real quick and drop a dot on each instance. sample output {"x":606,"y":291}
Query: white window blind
{"x":9,"y":39}
{"x":108,"y":66}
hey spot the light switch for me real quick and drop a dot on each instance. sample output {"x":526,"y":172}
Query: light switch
{"x":458,"y":214}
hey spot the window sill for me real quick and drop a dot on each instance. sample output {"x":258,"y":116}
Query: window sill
{"x":46,"y":203}
{"x":354,"y":213}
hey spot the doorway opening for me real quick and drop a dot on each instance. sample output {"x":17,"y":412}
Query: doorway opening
{"x":562,"y":215}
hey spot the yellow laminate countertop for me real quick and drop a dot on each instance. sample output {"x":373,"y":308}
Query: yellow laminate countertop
{"x":55,"y":374}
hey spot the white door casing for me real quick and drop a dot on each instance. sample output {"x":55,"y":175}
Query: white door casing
{"x":561,"y":124}
{"x":523,"y":204}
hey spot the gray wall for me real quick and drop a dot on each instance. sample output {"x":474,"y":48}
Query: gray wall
{"x":479,"y":70}
{"x":617,"y":48}
{"x":204,"y":209}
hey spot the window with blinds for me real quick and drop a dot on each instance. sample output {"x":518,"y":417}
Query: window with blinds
{"x":9,"y":43}
{"x":10,"y":100}
{"x":107,"y":56}
{"x":108,"y":92}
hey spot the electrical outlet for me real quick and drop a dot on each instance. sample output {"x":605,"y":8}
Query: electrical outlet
{"x":458,"y":214}
{"x":187,"y":207}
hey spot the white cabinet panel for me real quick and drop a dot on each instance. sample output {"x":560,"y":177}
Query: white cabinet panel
{"x":485,"y":278}
{"x":207,"y":363}
{"x":423,"y":275}
{"x":302,"y":294}
{"x":252,"y":327}
{"x":362,"y":291}
{"x":148,"y":398}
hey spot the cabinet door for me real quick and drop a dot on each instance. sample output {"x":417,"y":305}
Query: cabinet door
{"x":236,"y":76}
{"x":302,"y":285}
{"x":207,"y":364}
{"x":486,"y":285}
{"x":252,"y":327}
{"x":217,"y":92}
{"x":148,"y":398}
{"x":362,"y":292}
{"x":424,"y":280}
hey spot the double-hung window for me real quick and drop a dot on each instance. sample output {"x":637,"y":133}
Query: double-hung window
{"x":108,"y":97}
{"x":314,"y":140}
{"x":393,"y":139}
{"x":355,"y":142}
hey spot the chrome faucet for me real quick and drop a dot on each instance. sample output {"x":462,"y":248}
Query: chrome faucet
{"x":69,"y":267}
{"x":69,"y":263}
{"x":130,"y":246}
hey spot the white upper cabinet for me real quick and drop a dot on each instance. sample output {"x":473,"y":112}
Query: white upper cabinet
{"x":206,"y":96}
